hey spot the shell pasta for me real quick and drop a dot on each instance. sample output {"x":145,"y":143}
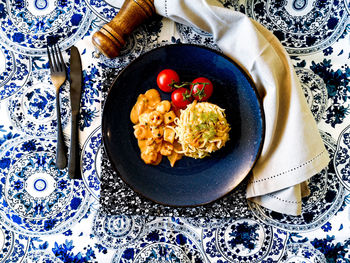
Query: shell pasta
{"x":154,"y":121}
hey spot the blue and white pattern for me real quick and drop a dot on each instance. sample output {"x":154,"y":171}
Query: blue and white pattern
{"x":163,"y":241}
{"x":14,"y":72}
{"x":117,"y":230}
{"x":302,"y":26}
{"x":342,"y":157}
{"x":315,"y":91}
{"x":33,"y":108}
{"x":91,"y":166}
{"x":36,"y":197}
{"x":46,"y":217}
{"x":347,"y":5}
{"x":13,"y":246}
{"x":41,"y":257}
{"x":27,"y":26}
{"x":196,"y":36}
{"x":105,"y":10}
{"x":244,"y":240}
{"x":298,"y":253}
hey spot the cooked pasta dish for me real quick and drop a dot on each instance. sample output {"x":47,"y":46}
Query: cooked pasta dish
{"x":154,"y":122}
{"x":162,"y":130}
{"x":202,"y":128}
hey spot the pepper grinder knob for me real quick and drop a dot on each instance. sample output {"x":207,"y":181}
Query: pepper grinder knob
{"x":111,"y":37}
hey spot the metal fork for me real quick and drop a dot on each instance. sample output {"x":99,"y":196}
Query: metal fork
{"x":58,"y":77}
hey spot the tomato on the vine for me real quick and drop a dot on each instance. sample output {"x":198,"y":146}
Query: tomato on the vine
{"x":202,"y":89}
{"x":181,"y":97}
{"x":166,"y":78}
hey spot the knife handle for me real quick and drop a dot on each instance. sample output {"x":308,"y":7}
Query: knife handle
{"x":111,"y":37}
{"x":74,"y":151}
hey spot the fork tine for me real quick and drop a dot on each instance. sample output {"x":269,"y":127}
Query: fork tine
{"x":49,"y":56}
{"x":54,"y":59}
{"x":61,"y":61}
{"x":57,"y":58}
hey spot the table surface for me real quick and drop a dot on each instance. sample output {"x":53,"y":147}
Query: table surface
{"x":45,"y":217}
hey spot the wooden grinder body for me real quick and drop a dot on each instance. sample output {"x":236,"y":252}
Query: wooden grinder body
{"x":112,"y":36}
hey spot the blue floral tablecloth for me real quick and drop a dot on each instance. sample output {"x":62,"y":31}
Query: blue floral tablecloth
{"x":45,"y":217}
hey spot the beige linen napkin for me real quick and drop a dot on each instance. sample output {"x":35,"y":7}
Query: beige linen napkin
{"x":293,"y":150}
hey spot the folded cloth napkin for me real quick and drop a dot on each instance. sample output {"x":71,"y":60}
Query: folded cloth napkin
{"x":293,"y":150}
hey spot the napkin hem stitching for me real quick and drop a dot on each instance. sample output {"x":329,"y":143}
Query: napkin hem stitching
{"x":166,"y":8}
{"x":290,"y":170}
{"x":283,"y":200}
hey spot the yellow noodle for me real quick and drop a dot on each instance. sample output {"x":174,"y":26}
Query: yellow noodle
{"x":202,"y":128}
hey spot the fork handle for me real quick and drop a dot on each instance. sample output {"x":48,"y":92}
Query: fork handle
{"x":74,"y":152}
{"x":61,"y":156}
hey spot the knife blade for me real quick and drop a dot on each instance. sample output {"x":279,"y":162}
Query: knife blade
{"x":76,"y":81}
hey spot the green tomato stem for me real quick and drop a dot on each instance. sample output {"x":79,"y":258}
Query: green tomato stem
{"x":201,"y":94}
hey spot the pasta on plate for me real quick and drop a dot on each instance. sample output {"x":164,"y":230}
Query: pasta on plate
{"x":162,"y":130}
{"x":201,"y":129}
{"x":154,"y":128}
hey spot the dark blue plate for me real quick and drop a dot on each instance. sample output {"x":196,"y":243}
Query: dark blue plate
{"x":191,"y":182}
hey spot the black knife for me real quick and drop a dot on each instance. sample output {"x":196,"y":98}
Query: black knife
{"x":76,"y":81}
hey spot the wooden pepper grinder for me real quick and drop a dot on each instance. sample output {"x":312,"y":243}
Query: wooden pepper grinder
{"x":111,"y":37}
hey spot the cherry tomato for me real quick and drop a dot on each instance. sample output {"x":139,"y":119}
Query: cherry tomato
{"x":166,"y":77}
{"x":181,"y":97}
{"x":202,"y":89}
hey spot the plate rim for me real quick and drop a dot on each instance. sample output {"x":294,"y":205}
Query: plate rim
{"x":257,"y":96}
